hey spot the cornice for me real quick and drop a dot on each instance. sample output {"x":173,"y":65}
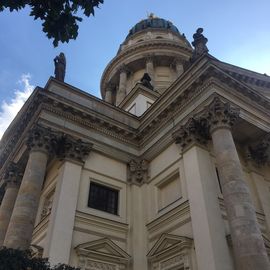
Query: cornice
{"x":102,"y":126}
{"x":181,"y":99}
{"x":13,"y":136}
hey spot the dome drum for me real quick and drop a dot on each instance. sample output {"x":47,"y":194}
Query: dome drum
{"x":153,"y":46}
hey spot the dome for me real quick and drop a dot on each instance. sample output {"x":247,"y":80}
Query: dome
{"x":153,"y":22}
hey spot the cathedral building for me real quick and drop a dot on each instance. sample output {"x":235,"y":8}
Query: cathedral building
{"x":168,"y":171}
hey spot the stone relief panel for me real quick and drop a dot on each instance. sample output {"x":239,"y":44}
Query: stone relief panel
{"x":88,"y":264}
{"x":47,"y":205}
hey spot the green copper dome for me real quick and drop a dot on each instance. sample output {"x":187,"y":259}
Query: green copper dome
{"x":153,"y":22}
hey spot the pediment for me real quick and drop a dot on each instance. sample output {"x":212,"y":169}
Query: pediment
{"x":168,"y":242}
{"x":102,"y":247}
{"x":137,"y":90}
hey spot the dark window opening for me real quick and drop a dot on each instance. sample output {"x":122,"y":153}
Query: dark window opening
{"x":103,"y":198}
{"x":218,"y":178}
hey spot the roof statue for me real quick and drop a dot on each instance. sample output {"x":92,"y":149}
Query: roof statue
{"x":145,"y":81}
{"x":60,"y":67}
{"x":199,"y":44}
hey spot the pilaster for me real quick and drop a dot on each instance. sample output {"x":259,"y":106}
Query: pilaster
{"x":58,"y":241}
{"x":211,"y":248}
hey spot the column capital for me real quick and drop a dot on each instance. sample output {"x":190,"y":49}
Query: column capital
{"x":194,"y":131}
{"x":109,"y":86}
{"x":149,"y":57}
{"x":138,"y":171}
{"x":178,"y":60}
{"x":69,"y":148}
{"x":13,"y":175}
{"x":39,"y":139}
{"x":220,"y":114}
{"x":123,"y":69}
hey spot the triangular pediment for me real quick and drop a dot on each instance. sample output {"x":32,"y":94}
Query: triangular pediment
{"x":136,"y":91}
{"x":102,"y":247}
{"x":168,"y":242}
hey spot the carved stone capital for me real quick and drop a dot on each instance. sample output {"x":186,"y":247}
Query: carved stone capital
{"x":39,"y":139}
{"x":178,"y":61}
{"x":149,"y":58}
{"x":67,"y":147}
{"x":109,"y":87}
{"x":138,"y":171}
{"x":259,"y":152}
{"x":123,"y":69}
{"x":220,"y":115}
{"x":195,"y":131}
{"x":13,"y":175}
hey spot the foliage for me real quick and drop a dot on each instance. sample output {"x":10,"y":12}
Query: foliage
{"x":15,"y":259}
{"x":59,"y":16}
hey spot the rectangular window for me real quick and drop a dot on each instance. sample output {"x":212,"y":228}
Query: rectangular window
{"x":103,"y":198}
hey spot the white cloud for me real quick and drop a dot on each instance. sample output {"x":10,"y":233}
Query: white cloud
{"x":8,"y":110}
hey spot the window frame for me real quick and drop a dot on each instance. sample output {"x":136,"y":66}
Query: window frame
{"x":106,"y":208}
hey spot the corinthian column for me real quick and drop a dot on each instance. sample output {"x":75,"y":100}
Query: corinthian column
{"x":121,"y":93}
{"x":13,"y":179}
{"x":248,"y":245}
{"x":20,"y":229}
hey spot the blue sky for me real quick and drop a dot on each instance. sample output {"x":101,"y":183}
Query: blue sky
{"x":238,"y":32}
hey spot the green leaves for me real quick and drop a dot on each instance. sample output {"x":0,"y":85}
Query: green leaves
{"x":59,"y":16}
{"x":14,"y":259}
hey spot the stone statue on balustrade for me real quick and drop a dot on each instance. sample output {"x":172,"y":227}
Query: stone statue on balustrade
{"x":60,"y":67}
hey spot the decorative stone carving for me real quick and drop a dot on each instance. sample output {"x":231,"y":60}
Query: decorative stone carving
{"x":149,"y":58}
{"x":14,"y":174}
{"x":220,"y":114}
{"x":123,"y":69}
{"x":40,"y":139}
{"x":67,"y":147}
{"x":138,"y":171}
{"x":259,"y":152}
{"x":195,"y":131}
{"x":47,"y":205}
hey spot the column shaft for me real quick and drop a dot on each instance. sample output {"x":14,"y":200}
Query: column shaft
{"x":248,"y":245}
{"x":179,"y":68}
{"x":20,"y":229}
{"x":150,"y":70}
{"x":122,"y":87}
{"x":7,"y":208}
{"x":108,"y":95}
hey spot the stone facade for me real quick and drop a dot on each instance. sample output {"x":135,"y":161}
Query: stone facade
{"x":174,"y":177}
